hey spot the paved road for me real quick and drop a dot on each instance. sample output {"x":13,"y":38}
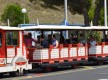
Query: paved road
{"x":83,"y":73}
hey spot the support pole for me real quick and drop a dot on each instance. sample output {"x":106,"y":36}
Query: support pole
{"x":65,"y":2}
{"x":24,"y":18}
{"x":105,"y":12}
{"x":65,"y":17}
{"x":8,"y":22}
{"x":105,"y":19}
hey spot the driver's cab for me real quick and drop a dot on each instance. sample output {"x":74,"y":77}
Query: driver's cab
{"x":11,"y":44}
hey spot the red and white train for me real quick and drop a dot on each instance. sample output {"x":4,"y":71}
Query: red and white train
{"x":16,"y":58}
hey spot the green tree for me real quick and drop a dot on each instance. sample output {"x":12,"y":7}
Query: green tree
{"x":91,"y":12}
{"x":14,"y":14}
{"x":81,"y":7}
{"x":97,"y":12}
{"x":85,"y":7}
{"x":75,"y":6}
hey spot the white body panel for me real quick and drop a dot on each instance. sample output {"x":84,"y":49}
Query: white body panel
{"x":10,"y":54}
{"x":81,"y":51}
{"x":11,"y":68}
{"x":64,"y":52}
{"x":73,"y":52}
{"x":55,"y":53}
{"x":19,"y":50}
{"x":8,"y":68}
{"x":40,"y":54}
{"x":105,"y":49}
{"x":95,"y":50}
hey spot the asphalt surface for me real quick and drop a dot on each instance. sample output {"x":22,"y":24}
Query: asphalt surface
{"x":82,"y":73}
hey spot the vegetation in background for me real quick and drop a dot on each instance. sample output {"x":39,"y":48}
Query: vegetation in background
{"x":14,"y":14}
{"x":75,"y":6}
{"x":97,"y":35}
{"x":85,"y":7}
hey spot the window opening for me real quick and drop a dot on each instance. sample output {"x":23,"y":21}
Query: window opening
{"x":11,"y":38}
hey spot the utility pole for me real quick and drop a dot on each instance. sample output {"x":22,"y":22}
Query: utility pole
{"x":65,"y":18}
{"x":105,"y":12}
{"x":65,"y":3}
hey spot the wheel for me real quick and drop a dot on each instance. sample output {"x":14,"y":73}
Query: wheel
{"x":47,"y":69}
{"x":14,"y":74}
{"x":54,"y":69}
{"x":1,"y":75}
{"x":75,"y":66}
{"x":23,"y":72}
{"x":100,"y":62}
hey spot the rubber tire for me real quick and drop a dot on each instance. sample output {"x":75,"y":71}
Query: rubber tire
{"x":47,"y":69}
{"x":99,"y":62}
{"x":75,"y":66}
{"x":1,"y":75}
{"x":14,"y":74}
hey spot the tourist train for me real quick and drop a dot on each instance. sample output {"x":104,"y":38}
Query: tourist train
{"x":16,"y":58}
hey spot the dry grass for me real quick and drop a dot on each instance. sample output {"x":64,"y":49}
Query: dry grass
{"x":44,"y":15}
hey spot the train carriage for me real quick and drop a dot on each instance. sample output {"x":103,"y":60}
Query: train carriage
{"x":70,"y":54}
{"x":13,"y":52}
{"x":99,"y":52}
{"x":65,"y":54}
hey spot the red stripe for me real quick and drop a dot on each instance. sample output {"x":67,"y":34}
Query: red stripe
{"x":20,"y":63}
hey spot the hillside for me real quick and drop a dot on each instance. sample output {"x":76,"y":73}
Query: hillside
{"x":45,"y":15}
